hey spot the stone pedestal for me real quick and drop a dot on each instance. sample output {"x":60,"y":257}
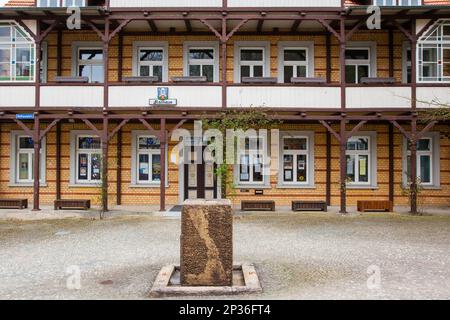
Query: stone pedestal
{"x":206,"y":243}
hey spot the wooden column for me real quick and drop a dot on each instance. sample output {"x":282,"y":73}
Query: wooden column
{"x":413,"y":67}
{"x":413,"y":164}
{"x":119,"y":167}
{"x":328,"y":174}
{"x":224,"y":63}
{"x":104,"y":178}
{"x":342,"y":44}
{"x":36,"y":163}
{"x":163,"y":141}
{"x":58,"y":160}
{"x":328,"y":56}
{"x":343,"y":167}
{"x":120,"y":57}
{"x":391,"y":52}
{"x":59,"y":53}
{"x":391,"y":163}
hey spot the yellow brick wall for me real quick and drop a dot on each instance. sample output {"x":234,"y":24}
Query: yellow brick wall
{"x":132,"y":196}
{"x":176,"y":52}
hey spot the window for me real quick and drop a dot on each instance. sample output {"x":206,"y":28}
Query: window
{"x":406,"y":62}
{"x":358,"y":160}
{"x":74,"y":3}
{"x":57,"y":3}
{"x":88,"y":159}
{"x":90,"y":64}
{"x":251,"y":161}
{"x":424,"y":161}
{"x":295,"y":159}
{"x":148,"y":159}
{"x":434,"y":54}
{"x":357,"y":64}
{"x":48,"y":3}
{"x":252,"y":62}
{"x":397,"y":2}
{"x":151,"y":62}
{"x":295,"y":63}
{"x":201,"y":62}
{"x":17,"y":54}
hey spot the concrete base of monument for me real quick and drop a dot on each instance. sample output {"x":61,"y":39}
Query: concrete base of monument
{"x":167,"y":283}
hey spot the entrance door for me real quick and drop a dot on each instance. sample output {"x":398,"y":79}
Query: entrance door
{"x":200,"y":181}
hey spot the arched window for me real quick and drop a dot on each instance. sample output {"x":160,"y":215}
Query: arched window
{"x":17,"y":54}
{"x":434,"y":53}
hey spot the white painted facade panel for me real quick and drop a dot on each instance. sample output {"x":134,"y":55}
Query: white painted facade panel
{"x":18,"y":96}
{"x":72,"y":96}
{"x":379,"y":97}
{"x":284,"y":97}
{"x":284,"y":3}
{"x":165,"y":3}
{"x":427,"y":97}
{"x":187,"y":96}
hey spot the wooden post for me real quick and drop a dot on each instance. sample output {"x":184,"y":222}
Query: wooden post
{"x":119,"y":168}
{"x":413,"y":67}
{"x":120,"y":58}
{"x":58,"y":161}
{"x":391,"y":163}
{"x":104,"y":178}
{"x":59,"y":53}
{"x":343,"y":167}
{"x":342,"y":44}
{"x":328,"y":56}
{"x":413,"y":173}
{"x":36,"y":163}
{"x":224,"y":63}
{"x":391,"y":52}
{"x":163,"y":141}
{"x":328,"y":178}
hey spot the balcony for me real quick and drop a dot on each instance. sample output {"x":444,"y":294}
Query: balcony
{"x":218,"y":3}
{"x":378,"y":97}
{"x":14,"y":96}
{"x":72,"y":96}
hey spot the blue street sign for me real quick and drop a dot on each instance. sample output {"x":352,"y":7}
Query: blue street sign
{"x":25,"y":116}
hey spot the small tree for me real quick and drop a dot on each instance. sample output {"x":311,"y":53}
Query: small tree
{"x":251,"y":118}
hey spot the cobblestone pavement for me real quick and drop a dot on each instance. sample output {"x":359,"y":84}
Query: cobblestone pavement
{"x":298,"y":256}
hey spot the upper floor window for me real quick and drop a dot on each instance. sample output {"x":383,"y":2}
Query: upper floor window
{"x":357,"y":64}
{"x":201,"y":63}
{"x":59,"y":3}
{"x":397,"y":2}
{"x":252,"y":62}
{"x":295,"y":63}
{"x":434,"y":54}
{"x":151,"y":63}
{"x":90,"y":64}
{"x":17,"y":54}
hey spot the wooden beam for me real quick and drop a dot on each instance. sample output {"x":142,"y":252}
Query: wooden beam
{"x":24,"y":127}
{"x":329,"y":128}
{"x":152,"y":25}
{"x":329,"y":28}
{"x":355,"y":129}
{"x":188,"y":25}
{"x":94,"y":128}
{"x":116,"y":129}
{"x":119,"y":169}
{"x":47,"y":130}
{"x":328,"y":168}
{"x":295,"y":25}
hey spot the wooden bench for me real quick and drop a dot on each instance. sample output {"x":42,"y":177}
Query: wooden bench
{"x":256,"y":205}
{"x":72,"y":204}
{"x":13,"y":203}
{"x":375,"y":205}
{"x":309,"y":206}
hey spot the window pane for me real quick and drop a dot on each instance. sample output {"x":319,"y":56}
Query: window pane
{"x":363,"y":168}
{"x":23,"y":166}
{"x":23,"y":55}
{"x":156,"y":167}
{"x":5,"y":33}
{"x":357,"y":54}
{"x":288,"y":74}
{"x":150,"y":55}
{"x":301,"y":71}
{"x":350,"y":74}
{"x":82,"y":166}
{"x":294,"y":55}
{"x":363,"y":71}
{"x":288,"y":168}
{"x":295,"y":144}
{"x":244,"y":174}
{"x":203,"y":54}
{"x":425,"y":169}
{"x":26,"y":143}
{"x":429,"y":55}
{"x":208,"y":72}
{"x":143,"y":167}
{"x":257,"y":71}
{"x":91,"y":54}
{"x":89,"y":143}
{"x":23,"y":70}
{"x":157,"y":72}
{"x":351,"y":168}
{"x":144,"y":71}
{"x":446,"y":61}
{"x":95,"y":167}
{"x":358,"y":144}
{"x":424,"y":145}
{"x":97,"y":74}
{"x":245,"y":71}
{"x":257,"y":169}
{"x":194,"y":70}
{"x":301,"y":168}
{"x":148,"y":143}
{"x":252,"y":55}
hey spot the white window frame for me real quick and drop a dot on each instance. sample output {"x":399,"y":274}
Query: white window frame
{"x":74,"y":182}
{"x":296,"y":45}
{"x":357,"y":154}
{"x":356,"y":62}
{"x":150,"y":153}
{"x":404,"y":3}
{"x":157,"y":45}
{"x":251,"y":45}
{"x":11,"y":45}
{"x":252,"y":63}
{"x":81,"y":62}
{"x":44,"y":61}
{"x":14,"y":160}
{"x":309,"y":183}
{"x":405,"y":63}
{"x":30,"y":155}
{"x":440,"y":45}
{"x":45,"y":3}
{"x":434,"y":137}
{"x":214,"y":45}
{"x":150,"y":64}
{"x":69,"y":3}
